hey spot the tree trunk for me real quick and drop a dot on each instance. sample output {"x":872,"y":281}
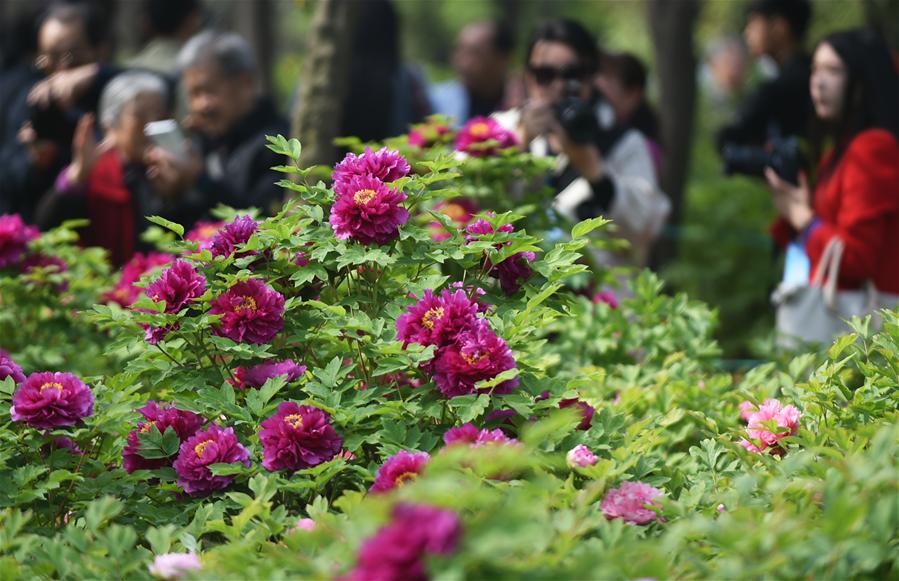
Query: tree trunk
{"x":672,"y":24}
{"x":883,"y":15}
{"x":316,"y":119}
{"x":254,"y":21}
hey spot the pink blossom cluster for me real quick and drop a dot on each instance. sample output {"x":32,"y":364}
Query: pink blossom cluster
{"x":768,"y":424}
{"x":630,"y":502}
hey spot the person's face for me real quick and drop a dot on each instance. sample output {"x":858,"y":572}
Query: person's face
{"x":550,"y":66}
{"x":758,"y":35}
{"x":128,"y":133}
{"x":480,"y":67}
{"x":828,"y":83}
{"x":623,"y":100}
{"x":63,"y":46}
{"x":217,"y":102}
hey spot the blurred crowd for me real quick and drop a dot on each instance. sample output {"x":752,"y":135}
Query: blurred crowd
{"x":179,"y":127}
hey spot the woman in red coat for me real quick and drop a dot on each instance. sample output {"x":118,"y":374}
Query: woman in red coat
{"x":855,"y":91}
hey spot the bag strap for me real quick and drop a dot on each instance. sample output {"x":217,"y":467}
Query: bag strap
{"x":824,"y":264}
{"x":830,"y":287}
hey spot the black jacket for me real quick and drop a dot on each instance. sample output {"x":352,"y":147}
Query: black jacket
{"x":780,"y":107}
{"x":238,"y":166}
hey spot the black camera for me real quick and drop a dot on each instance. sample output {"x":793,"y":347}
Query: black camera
{"x":575,"y":115}
{"x":783,"y":155}
{"x":53,"y":123}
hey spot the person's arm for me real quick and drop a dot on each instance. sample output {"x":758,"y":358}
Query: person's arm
{"x":870,"y":194}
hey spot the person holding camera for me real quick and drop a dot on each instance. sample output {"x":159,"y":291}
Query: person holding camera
{"x":601,"y":169}
{"x":780,"y":107}
{"x":855,"y":202}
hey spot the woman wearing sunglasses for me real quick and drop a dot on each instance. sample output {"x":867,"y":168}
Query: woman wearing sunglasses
{"x":600,"y":170}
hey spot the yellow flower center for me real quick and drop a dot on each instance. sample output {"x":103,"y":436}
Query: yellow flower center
{"x":405,"y":477}
{"x":430,"y":318}
{"x":295,"y":420}
{"x":473,"y":359}
{"x":246,"y":304}
{"x":362,"y":197}
{"x":199,"y":448}
{"x":147,"y":427}
{"x":479,"y":130}
{"x":51,"y":385}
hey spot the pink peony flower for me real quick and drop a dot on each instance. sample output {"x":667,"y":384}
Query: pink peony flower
{"x":580,"y":457}
{"x":238,"y":231}
{"x":430,"y":133}
{"x":512,"y":271}
{"x":747,"y":408}
{"x":367,"y":211}
{"x":174,"y":565}
{"x":436,"y":320}
{"x":185,"y":424}
{"x":258,"y":375}
{"x":298,"y":437}
{"x":399,"y":469}
{"x":459,"y":210}
{"x":477,"y":354}
{"x":49,"y":400}
{"x":14,"y":238}
{"x":484,"y":136}
{"x":785,"y":417}
{"x":397,"y":551}
{"x":303,"y":524}
{"x":586,"y":410}
{"x":9,"y":368}
{"x":212,"y":446}
{"x":385,"y":164}
{"x":629,"y":501}
{"x":203,"y":233}
{"x":468,"y":434}
{"x":252,"y":312}
{"x":177,"y":286}
{"x":126,"y":292}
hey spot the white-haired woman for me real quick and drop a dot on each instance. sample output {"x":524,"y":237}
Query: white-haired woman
{"x":105,"y":179}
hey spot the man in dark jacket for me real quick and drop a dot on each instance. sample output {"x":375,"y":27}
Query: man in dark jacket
{"x":781,"y":106}
{"x":231,"y":118}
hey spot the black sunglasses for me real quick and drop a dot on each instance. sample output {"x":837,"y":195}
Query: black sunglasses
{"x":546,"y":75}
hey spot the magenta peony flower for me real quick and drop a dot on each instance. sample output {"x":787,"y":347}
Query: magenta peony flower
{"x":126,"y":292}
{"x":397,"y":551}
{"x":477,"y":354}
{"x":41,"y":260}
{"x":786,"y":417}
{"x":235,"y":232}
{"x":367,"y":211}
{"x":385,"y":164}
{"x":258,"y":375}
{"x":468,"y":434}
{"x":177,"y":286}
{"x":298,"y":437}
{"x":484,"y":136}
{"x":608,"y":297}
{"x":629,"y":501}
{"x":399,"y":469}
{"x":174,"y":565}
{"x":50,"y":400}
{"x":203,"y":233}
{"x":65,"y":443}
{"x":459,"y":210}
{"x":252,"y":312}
{"x":9,"y":368}
{"x":580,"y":457}
{"x":586,"y":410}
{"x":436,"y":320}
{"x":185,"y":424}
{"x":14,"y":238}
{"x":512,"y":271}
{"x":215,"y":445}
{"x":430,"y":133}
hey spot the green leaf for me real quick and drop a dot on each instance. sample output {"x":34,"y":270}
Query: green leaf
{"x":167,"y":224}
{"x":582,"y":228}
{"x":154,"y":445}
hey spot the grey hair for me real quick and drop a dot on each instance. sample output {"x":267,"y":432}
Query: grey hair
{"x":125,"y":88}
{"x":230,"y":51}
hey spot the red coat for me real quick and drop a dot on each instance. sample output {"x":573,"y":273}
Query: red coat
{"x":110,"y":209}
{"x":859,"y":202}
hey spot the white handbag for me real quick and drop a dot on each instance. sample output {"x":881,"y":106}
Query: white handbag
{"x":817,"y":312}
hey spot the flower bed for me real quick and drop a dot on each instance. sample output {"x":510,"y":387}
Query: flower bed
{"x":364,"y":387}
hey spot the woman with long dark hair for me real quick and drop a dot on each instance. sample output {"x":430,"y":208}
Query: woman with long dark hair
{"x":855,"y":92}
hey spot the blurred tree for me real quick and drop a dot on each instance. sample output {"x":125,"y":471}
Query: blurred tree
{"x":884,"y":16}
{"x":253,"y":20}
{"x":672,"y":25}
{"x":317,"y":117}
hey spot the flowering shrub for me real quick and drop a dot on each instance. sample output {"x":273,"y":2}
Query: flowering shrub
{"x":386,"y":408}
